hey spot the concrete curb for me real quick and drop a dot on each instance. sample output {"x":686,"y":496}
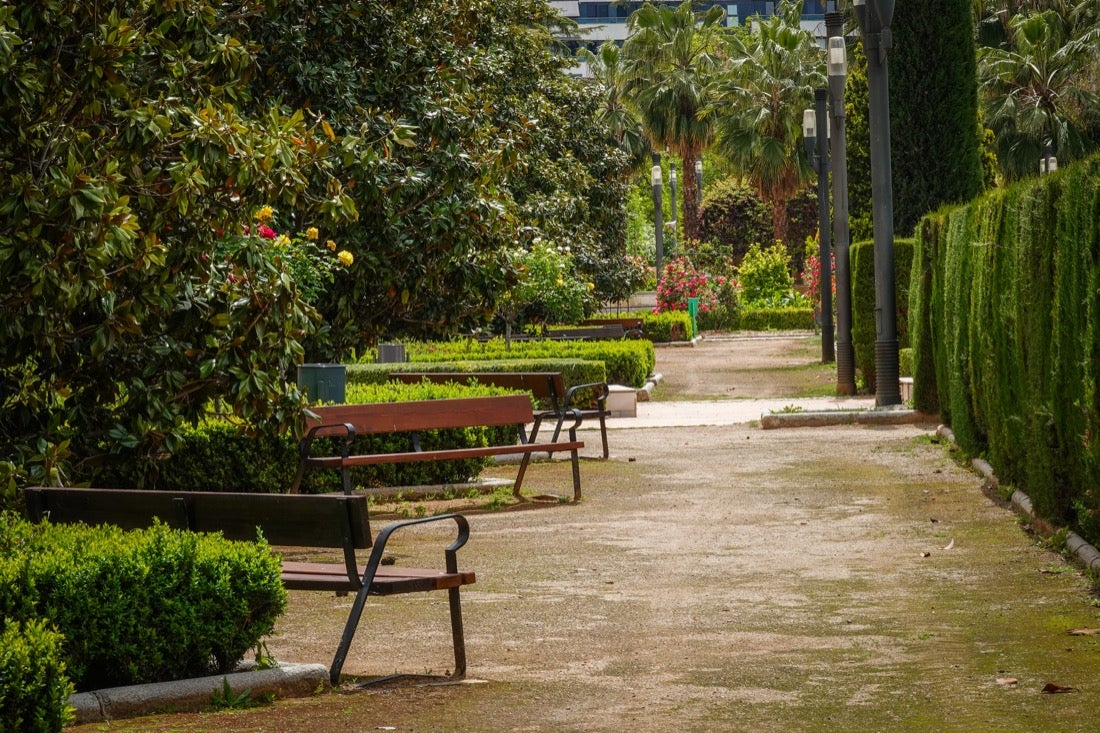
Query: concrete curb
{"x":288,"y":680}
{"x":651,"y":381}
{"x":843,"y":417}
{"x":1088,"y":555}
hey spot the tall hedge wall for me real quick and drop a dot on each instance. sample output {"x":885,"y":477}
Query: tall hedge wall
{"x":863,"y":301}
{"x":1007,"y":295}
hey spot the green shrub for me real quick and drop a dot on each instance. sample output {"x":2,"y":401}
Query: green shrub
{"x":777,"y":319}
{"x":34,"y":689}
{"x":725,"y":315}
{"x":862,"y":258}
{"x":764,"y":276}
{"x":668,"y":326}
{"x":732,"y":218}
{"x":146,"y":605}
{"x":627,"y":361}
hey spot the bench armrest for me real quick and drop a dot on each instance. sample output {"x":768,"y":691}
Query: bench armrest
{"x":600,"y":388}
{"x":305,"y":445}
{"x":450,"y":553}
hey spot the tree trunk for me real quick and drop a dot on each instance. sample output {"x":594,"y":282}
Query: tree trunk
{"x":779,"y":220}
{"x":690,"y":197}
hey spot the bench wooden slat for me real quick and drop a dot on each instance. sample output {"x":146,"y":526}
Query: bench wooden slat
{"x":350,"y":421}
{"x":387,"y":581}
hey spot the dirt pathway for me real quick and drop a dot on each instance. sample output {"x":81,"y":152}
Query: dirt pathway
{"x":725,"y":579}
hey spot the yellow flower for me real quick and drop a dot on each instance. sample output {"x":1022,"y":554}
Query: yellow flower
{"x":560,"y":282}
{"x":282,"y":240}
{"x":311,"y":233}
{"x":331,"y":245}
{"x":264,"y":213}
{"x":345,"y":257}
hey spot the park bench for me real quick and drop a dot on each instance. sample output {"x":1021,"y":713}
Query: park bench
{"x":414,"y":417}
{"x":588,"y":333}
{"x":285,"y":520}
{"x":631,"y":325}
{"x":548,"y":387}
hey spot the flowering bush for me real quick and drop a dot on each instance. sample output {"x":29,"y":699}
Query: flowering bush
{"x":681,"y":281}
{"x":549,"y":290}
{"x":308,"y":265}
{"x":811,"y":274}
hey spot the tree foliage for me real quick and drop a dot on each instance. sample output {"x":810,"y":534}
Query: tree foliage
{"x":772,"y":74}
{"x":126,"y":154}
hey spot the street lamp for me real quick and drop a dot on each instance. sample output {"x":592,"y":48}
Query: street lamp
{"x":658,"y":226}
{"x":699,"y":183}
{"x":838,"y":72}
{"x":874,"y":22}
{"x":813,"y":121}
{"x":672,"y":202}
{"x":1048,"y":163}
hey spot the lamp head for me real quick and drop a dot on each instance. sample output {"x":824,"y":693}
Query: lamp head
{"x":809,"y":130}
{"x":698,"y":167}
{"x":655,"y":175}
{"x":838,"y":57}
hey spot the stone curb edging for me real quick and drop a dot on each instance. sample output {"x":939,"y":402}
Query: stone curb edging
{"x":1021,"y":503}
{"x":288,"y":680}
{"x":651,"y":381}
{"x":826,"y":418}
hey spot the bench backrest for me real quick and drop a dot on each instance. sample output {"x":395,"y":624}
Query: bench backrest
{"x":610,"y":331}
{"x":298,"y":520}
{"x":410,"y":417}
{"x":542,"y":385}
{"x":625,"y":322}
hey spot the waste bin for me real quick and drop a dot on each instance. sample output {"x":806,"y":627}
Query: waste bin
{"x":693,"y":311}
{"x":323,"y":382}
{"x":391,"y":353}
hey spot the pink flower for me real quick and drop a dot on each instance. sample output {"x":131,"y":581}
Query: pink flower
{"x":266,"y":232}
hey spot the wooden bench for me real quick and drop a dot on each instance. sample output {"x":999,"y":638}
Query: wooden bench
{"x":546,"y":386}
{"x":288,"y":520}
{"x":589,"y":333}
{"x":348,"y":421}
{"x":632,"y":325}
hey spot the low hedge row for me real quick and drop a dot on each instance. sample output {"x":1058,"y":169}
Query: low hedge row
{"x":34,"y":688}
{"x":139,"y":606}
{"x":776,"y":319}
{"x":627,"y":361}
{"x":217,"y":456}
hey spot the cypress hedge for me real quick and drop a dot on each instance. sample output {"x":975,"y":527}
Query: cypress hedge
{"x":1007,"y":299}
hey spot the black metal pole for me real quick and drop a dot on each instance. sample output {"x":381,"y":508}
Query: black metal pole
{"x":828,"y":355}
{"x":845,"y":354}
{"x":658,"y":216}
{"x":878,"y":40}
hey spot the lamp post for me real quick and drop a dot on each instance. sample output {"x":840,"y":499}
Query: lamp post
{"x":672,"y":204}
{"x":658,"y":225}
{"x":815,"y":129}
{"x":699,"y":183}
{"x":874,"y":22}
{"x":1048,"y":163}
{"x":838,"y":73}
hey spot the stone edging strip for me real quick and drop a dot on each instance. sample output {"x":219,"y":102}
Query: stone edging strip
{"x":826,"y":418}
{"x":288,"y":680}
{"x":1021,"y":503}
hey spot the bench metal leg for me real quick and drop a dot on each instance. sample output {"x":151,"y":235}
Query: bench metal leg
{"x":519,"y":476}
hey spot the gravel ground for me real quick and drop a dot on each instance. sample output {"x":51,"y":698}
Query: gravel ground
{"x":724,"y":578}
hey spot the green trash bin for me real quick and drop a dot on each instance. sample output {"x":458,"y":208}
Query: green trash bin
{"x":323,"y":382}
{"x":693,"y":311}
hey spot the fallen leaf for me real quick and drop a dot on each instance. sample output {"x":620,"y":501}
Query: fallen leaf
{"x":1052,"y":689}
{"x":1007,"y":681}
{"x":933,"y":520}
{"x":950,"y":544}
{"x":926,"y":554}
{"x":1084,"y":632}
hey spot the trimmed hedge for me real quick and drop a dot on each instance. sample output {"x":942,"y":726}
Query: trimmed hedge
{"x":862,"y":256}
{"x":777,"y":319}
{"x":140,"y":606}
{"x":1007,"y":298}
{"x":627,"y":361}
{"x":34,"y":689}
{"x":668,"y":326}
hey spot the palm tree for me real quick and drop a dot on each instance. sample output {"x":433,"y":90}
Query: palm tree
{"x":670,"y":57}
{"x":607,"y":67}
{"x":1035,"y":88}
{"x":774,"y":68}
